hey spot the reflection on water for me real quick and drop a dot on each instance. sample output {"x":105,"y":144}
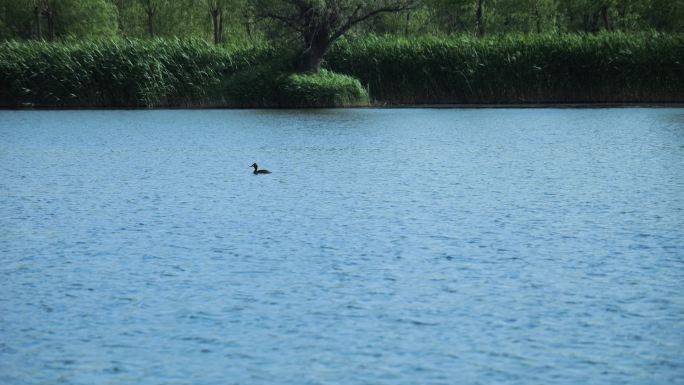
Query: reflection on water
{"x":540,"y":246}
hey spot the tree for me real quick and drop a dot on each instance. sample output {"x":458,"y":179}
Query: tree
{"x":45,"y":9}
{"x":17,"y":20}
{"x":605,"y":10}
{"x":150,"y":7}
{"x":450,"y":16}
{"x":85,"y":18}
{"x":414,"y":22}
{"x":479,"y":15}
{"x":172,"y":18}
{"x":51,"y":19}
{"x":526,"y":16}
{"x":319,"y":23}
{"x":663,"y":15}
{"x":216,"y":9}
{"x":589,"y":15}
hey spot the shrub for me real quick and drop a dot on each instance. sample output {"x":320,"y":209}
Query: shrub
{"x":325,"y":89}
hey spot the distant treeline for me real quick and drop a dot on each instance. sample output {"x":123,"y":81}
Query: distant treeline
{"x":238,"y":20}
{"x":609,"y":67}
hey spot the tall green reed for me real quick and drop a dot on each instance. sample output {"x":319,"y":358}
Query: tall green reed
{"x":119,"y":73}
{"x":647,"y":67}
{"x":615,"y":67}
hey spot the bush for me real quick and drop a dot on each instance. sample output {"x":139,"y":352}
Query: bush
{"x":325,"y":89}
{"x":256,"y":85}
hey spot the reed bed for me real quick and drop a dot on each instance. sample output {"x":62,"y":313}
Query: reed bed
{"x":517,"y":69}
{"x":120,"y":73}
{"x":646,"y":68}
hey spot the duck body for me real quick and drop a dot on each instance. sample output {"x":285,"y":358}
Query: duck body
{"x":257,"y":171}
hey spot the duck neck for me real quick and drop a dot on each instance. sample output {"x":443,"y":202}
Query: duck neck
{"x":255,"y":169}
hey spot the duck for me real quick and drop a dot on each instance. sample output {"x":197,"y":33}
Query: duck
{"x":257,"y":171}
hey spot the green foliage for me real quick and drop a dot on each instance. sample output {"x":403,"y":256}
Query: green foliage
{"x":15,"y":19}
{"x":324,"y":89}
{"x":257,"y":85}
{"x":517,"y":69}
{"x":607,"y":67}
{"x":240,"y":19}
{"x":272,"y":84}
{"x":86,"y":19}
{"x":416,"y":22}
{"x":119,"y":73}
{"x":73,"y":19}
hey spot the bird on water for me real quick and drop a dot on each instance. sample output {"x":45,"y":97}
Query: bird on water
{"x":257,"y":171}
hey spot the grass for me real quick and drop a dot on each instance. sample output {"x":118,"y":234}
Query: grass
{"x":517,"y":69}
{"x":646,"y":67}
{"x":325,"y":89}
{"x":119,"y":73}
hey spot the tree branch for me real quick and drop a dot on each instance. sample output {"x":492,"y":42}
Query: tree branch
{"x":288,"y":21}
{"x":355,"y":18}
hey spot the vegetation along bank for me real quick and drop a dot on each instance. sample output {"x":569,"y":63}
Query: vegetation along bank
{"x":460,"y":69}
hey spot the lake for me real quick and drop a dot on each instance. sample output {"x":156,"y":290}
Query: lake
{"x":388,"y":246}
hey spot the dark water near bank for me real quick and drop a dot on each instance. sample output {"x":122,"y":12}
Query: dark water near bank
{"x":387,"y":247}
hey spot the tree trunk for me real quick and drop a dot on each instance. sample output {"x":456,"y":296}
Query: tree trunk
{"x":408,"y":22}
{"x":606,"y":17}
{"x":217,"y":22}
{"x":220,"y":31}
{"x":122,"y":18}
{"x":590,"y":23}
{"x":480,"y":18}
{"x":311,"y":57}
{"x":537,"y":17}
{"x":38,"y":31}
{"x":215,"y":15}
{"x":150,"y":18}
{"x":316,"y":43}
{"x":310,"y":60}
{"x":50,"y":15}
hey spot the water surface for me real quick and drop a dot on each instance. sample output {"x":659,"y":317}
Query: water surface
{"x":421,"y":246}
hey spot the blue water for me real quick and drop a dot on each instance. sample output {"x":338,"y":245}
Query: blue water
{"x":417,"y":246}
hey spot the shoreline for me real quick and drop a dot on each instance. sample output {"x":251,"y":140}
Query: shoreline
{"x":372,"y":106}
